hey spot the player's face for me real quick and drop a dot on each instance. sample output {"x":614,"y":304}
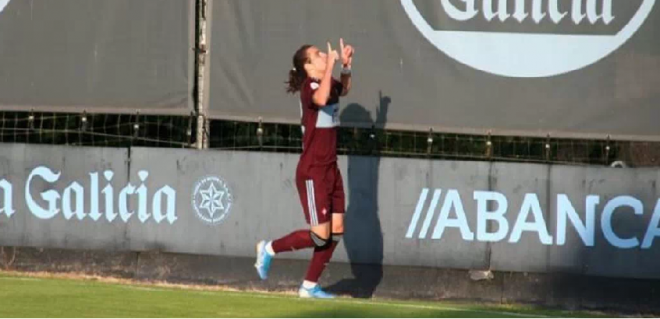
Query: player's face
{"x":316,"y":60}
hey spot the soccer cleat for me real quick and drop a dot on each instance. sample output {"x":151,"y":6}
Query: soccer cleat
{"x":263,"y":260}
{"x":315,"y":292}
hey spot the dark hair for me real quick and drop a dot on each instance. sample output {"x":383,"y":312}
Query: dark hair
{"x":297,"y":74}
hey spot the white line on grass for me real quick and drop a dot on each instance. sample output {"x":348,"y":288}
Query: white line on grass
{"x":143,"y":288}
{"x":19,"y":278}
{"x":491,"y":312}
{"x":352,"y":301}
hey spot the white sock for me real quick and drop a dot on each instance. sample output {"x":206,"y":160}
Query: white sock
{"x":309,"y":284}
{"x":269,"y":248}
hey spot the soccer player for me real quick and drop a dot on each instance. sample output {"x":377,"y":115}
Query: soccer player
{"x":318,"y":178}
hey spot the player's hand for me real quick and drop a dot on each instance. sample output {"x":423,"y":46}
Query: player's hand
{"x":332,"y":55}
{"x":346,"y":53}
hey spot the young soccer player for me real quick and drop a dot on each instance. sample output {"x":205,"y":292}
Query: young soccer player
{"x":318,"y":178}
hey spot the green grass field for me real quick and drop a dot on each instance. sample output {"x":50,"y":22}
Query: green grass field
{"x":42,"y":296}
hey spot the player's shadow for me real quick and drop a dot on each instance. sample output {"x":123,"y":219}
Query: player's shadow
{"x":363,"y":237}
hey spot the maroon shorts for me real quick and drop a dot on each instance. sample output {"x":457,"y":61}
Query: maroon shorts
{"x":321,"y":191}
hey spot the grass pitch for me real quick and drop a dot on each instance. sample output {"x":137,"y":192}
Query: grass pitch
{"x":29,"y":295}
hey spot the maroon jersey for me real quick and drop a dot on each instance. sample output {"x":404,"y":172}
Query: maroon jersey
{"x":319,"y":126}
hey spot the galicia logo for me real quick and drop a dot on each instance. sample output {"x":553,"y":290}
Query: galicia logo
{"x":3,"y":4}
{"x":525,"y":54}
{"x":45,"y":201}
{"x":212,"y":200}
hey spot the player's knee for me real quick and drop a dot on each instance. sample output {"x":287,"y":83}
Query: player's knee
{"x":318,"y":240}
{"x":338,"y":228}
{"x":337,"y":223}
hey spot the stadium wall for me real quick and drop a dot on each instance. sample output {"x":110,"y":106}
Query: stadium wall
{"x":203,"y":212}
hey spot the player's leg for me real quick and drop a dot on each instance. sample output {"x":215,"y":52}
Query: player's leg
{"x":322,"y":254}
{"x":310,"y":287}
{"x":299,"y":239}
{"x":314,"y":204}
{"x":339,"y":207}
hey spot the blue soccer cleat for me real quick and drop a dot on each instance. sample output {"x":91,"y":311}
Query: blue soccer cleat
{"x":263,"y":260}
{"x":315,"y":292}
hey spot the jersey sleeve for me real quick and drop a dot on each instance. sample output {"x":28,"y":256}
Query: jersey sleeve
{"x":309,"y":87}
{"x":307,"y":94}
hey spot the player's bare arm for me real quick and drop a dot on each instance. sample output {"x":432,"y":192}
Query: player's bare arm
{"x":347,"y":62}
{"x":322,"y":95}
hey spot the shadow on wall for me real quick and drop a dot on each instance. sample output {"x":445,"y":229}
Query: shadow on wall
{"x":363,"y":237}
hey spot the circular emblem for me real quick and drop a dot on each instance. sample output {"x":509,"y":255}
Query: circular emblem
{"x":212,"y":200}
{"x":526,"y":55}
